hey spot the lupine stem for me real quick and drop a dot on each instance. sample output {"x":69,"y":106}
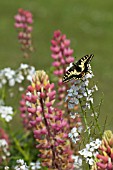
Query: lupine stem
{"x":48,"y":137}
{"x":49,"y":133}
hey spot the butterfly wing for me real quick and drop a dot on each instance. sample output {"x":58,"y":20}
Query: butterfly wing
{"x":71,"y":74}
{"x":84,"y":61}
{"x":79,"y":69}
{"x":86,"y":64}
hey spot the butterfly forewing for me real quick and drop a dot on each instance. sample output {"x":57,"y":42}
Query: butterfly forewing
{"x":79,"y":69}
{"x":70,"y":74}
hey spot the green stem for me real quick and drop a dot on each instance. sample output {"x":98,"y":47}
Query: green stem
{"x":26,"y":157}
{"x":96,"y":118}
{"x":17,"y":143}
{"x":85,"y":119}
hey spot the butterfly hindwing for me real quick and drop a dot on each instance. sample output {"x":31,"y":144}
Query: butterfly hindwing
{"x":79,"y":69}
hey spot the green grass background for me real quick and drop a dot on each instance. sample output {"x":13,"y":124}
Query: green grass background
{"x":89,"y":25}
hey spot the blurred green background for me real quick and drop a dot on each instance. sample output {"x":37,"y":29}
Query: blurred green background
{"x":89,"y":25}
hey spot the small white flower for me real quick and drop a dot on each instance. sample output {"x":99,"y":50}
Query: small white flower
{"x":29,"y":77}
{"x":21,"y":89}
{"x":8,"y":118}
{"x":24,"y":66}
{"x":80,"y":127}
{"x":20,"y":161}
{"x":71,"y":105}
{"x":92,"y":143}
{"x":3,"y":81}
{"x":3,"y":157}
{"x":89,"y":154}
{"x":97,"y":143}
{"x":77,"y":161}
{"x":88,"y":105}
{"x":3,"y":143}
{"x":29,"y":94}
{"x":6,"y":112}
{"x":90,"y":161}
{"x":35,"y":165}
{"x":6,"y":168}
{"x":74,"y":130}
{"x":73,"y":115}
{"x":74,"y":135}
{"x":19,"y":78}
{"x":87,"y":146}
{"x":21,"y":165}
{"x":4,"y":148}
{"x":90,"y":99}
{"x":9,"y":73}
{"x":90,"y":151}
{"x":86,"y":82}
{"x":12,"y":82}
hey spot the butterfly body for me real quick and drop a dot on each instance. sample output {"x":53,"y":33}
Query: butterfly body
{"x":79,"y":69}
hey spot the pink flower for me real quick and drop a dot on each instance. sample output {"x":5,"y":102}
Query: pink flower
{"x":62,"y":55}
{"x":49,"y":126}
{"x":23,"y":21}
{"x":104,"y":159}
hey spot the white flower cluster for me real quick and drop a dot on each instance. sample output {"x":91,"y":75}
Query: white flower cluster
{"x":90,"y":152}
{"x":4,"y":149}
{"x":35,"y":165}
{"x":11,"y":77}
{"x":77,"y":162}
{"x":6,"y":112}
{"x":79,"y":90}
{"x":21,"y":165}
{"x":75,"y":134}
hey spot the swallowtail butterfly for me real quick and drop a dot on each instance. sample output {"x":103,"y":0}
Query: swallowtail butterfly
{"x":78,"y":69}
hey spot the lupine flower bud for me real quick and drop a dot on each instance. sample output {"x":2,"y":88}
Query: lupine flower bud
{"x":24,"y":115}
{"x":23,"y":21}
{"x":49,"y":126}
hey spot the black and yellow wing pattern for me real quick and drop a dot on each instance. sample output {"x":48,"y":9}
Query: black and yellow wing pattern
{"x":78,"y":69}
